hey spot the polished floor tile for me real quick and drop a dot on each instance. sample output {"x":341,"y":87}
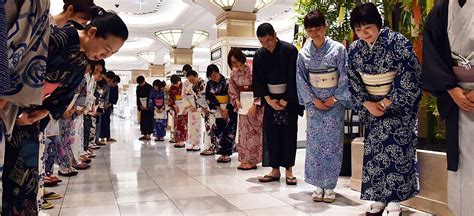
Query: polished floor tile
{"x":132,"y":177}
{"x":204,"y":205}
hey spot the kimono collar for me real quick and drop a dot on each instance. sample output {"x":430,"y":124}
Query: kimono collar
{"x":277,"y":47}
{"x":383,"y":33}
{"x":326,"y":42}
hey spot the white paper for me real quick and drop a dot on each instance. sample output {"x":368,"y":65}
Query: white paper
{"x":246,"y":100}
{"x":161,"y":115}
{"x":189,"y":101}
{"x":72,"y":102}
{"x":143,"y":102}
{"x":180,"y":105}
{"x":202,"y":103}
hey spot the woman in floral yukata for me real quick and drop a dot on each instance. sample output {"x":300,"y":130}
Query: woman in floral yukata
{"x":250,"y":124}
{"x":385,"y":82}
{"x":217,"y":96}
{"x":323,"y":90}
{"x":180,"y":119}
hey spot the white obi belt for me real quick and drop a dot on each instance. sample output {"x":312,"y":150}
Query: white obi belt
{"x":277,"y":89}
{"x":378,"y":84}
{"x":324,"y":78}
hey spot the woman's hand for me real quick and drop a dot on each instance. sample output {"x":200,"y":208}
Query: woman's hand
{"x":330,"y":102}
{"x":373,"y":108}
{"x":461,"y":99}
{"x":224,"y":113}
{"x":320,"y":105}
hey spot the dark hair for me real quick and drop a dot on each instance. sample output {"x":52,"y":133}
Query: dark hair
{"x":365,"y":14}
{"x":107,"y":22}
{"x":211,"y":69}
{"x":117,"y":79}
{"x":175,"y":79}
{"x":314,"y":19}
{"x":237,"y":54}
{"x":110,"y":75}
{"x":101,"y":83}
{"x":187,"y":68}
{"x":191,"y":73}
{"x":265,"y":29}
{"x":162,"y":84}
{"x":101,"y":62}
{"x":140,"y":79}
{"x":80,"y":6}
{"x":157,"y":82}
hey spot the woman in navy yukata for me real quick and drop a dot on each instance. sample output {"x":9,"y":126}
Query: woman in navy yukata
{"x":66,"y":65}
{"x":385,"y":83}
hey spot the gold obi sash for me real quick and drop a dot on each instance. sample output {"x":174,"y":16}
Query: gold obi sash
{"x":222,"y":99}
{"x":378,"y":84}
{"x":179,"y":97}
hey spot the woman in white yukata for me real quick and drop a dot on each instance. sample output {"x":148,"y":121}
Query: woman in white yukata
{"x":323,"y":90}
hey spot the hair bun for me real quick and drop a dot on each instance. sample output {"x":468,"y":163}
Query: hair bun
{"x":96,"y":11}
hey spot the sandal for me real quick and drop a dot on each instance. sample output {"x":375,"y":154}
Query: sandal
{"x":224,"y":159}
{"x":46,"y":205}
{"x":54,"y":178}
{"x":68,"y":173}
{"x":268,"y":178}
{"x":179,"y":145}
{"x":49,"y":183}
{"x":52,"y":196}
{"x":291,"y":180}
{"x":196,"y":148}
{"x":208,"y":152}
{"x":376,"y":209}
{"x":82,"y":166}
{"x":246,"y":167}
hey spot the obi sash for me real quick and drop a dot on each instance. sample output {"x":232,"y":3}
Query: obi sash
{"x":464,"y":75}
{"x":324,"y":78}
{"x":179,"y":97}
{"x":277,"y":89}
{"x":222,"y":99}
{"x":247,"y":88}
{"x":378,"y":84}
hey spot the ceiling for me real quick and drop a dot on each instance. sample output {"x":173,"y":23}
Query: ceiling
{"x":145,"y":17}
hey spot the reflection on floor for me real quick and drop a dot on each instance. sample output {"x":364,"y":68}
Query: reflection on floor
{"x":132,"y":177}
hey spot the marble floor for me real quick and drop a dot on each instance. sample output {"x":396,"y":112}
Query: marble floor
{"x":132,"y":177}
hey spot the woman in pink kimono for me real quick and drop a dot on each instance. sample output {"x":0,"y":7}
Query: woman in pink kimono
{"x":250,"y":112}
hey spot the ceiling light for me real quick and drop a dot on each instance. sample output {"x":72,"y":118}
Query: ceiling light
{"x":147,"y":56}
{"x":224,"y":4}
{"x":199,"y":36}
{"x":261,"y":4}
{"x":170,"y":36}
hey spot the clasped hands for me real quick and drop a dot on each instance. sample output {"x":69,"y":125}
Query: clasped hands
{"x":324,"y":104}
{"x":378,"y":108}
{"x":463,"y":98}
{"x":276,"y":104}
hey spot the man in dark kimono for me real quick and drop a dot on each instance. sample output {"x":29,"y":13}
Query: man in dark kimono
{"x":274,"y":80}
{"x":146,"y":114}
{"x":448,"y":57}
{"x":111,"y":98}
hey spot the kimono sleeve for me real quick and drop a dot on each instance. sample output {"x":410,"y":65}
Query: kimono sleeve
{"x":150,"y":101}
{"x":305,"y":94}
{"x":342,"y":93}
{"x":234,"y":93}
{"x":210,"y":97}
{"x":406,"y":88}
{"x":356,"y":86}
{"x":259,"y":83}
{"x":138,"y":98}
{"x":291,"y":95}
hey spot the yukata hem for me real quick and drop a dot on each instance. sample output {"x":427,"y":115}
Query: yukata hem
{"x":317,"y":184}
{"x":413,"y":194}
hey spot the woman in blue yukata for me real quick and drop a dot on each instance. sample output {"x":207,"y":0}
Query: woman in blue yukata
{"x":157,"y":101}
{"x":385,"y":83}
{"x":323,"y":90}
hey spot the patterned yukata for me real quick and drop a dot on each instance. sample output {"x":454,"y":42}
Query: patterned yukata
{"x":27,"y":50}
{"x":157,"y":101}
{"x":250,"y":127}
{"x":89,"y":119}
{"x":194,"y":117}
{"x":325,"y":133}
{"x":180,"y":121}
{"x":225,"y":129}
{"x":390,"y":172}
